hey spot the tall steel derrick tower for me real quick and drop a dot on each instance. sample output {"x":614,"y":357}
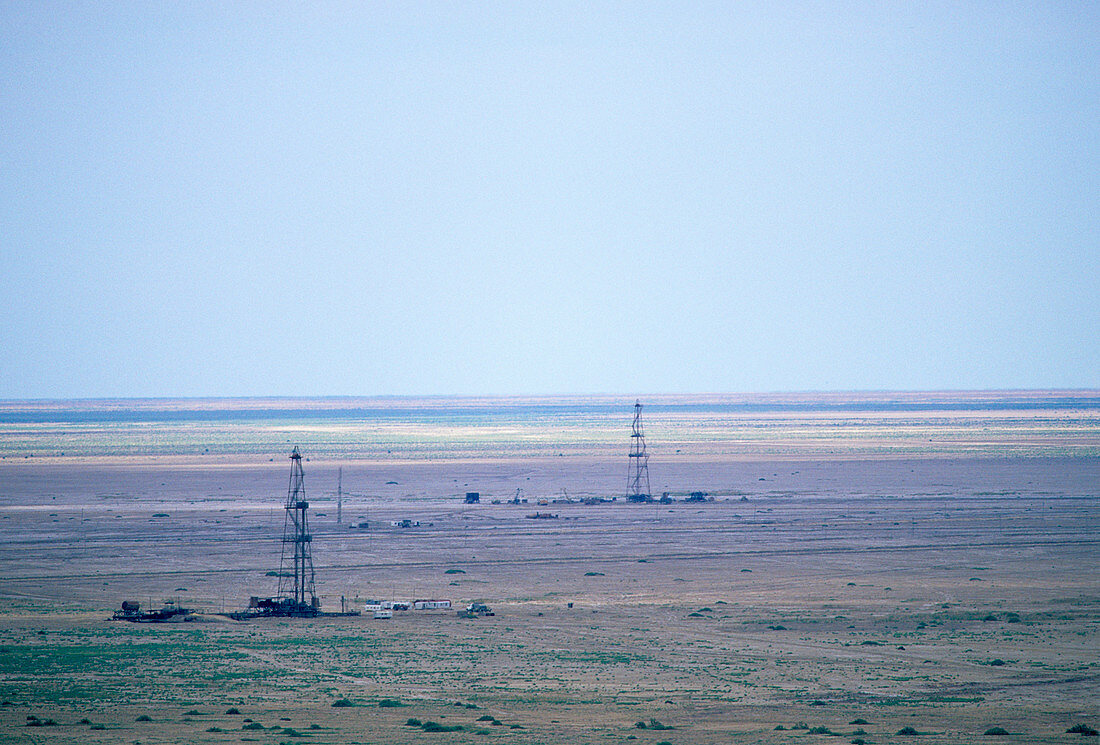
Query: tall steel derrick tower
{"x":296,"y":564}
{"x":637,"y":483}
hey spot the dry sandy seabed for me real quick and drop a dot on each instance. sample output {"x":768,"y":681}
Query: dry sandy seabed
{"x":820,"y":589}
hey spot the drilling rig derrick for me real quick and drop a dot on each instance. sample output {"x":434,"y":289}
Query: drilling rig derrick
{"x":296,"y":579}
{"x":637,"y":486}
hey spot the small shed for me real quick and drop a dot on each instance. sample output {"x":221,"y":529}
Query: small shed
{"x":473,"y":497}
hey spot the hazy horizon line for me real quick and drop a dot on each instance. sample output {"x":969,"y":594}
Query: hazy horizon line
{"x":558,"y":395}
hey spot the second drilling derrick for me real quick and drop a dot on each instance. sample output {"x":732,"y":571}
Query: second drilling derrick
{"x":297,"y":597}
{"x":296,"y":565}
{"x":637,"y":485}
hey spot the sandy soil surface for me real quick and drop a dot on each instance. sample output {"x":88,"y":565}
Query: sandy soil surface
{"x":949,"y":591}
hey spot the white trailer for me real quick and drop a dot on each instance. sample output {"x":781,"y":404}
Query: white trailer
{"x":431,"y":605}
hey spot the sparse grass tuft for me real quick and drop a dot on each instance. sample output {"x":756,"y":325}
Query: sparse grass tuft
{"x":996,"y":731}
{"x":342,"y":703}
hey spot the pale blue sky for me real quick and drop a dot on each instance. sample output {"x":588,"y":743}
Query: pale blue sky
{"x":450,"y":198}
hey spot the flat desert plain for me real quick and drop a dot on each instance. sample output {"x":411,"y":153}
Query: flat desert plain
{"x":918,"y":568}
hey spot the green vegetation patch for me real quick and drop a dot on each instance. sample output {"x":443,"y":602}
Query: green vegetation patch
{"x":1082,"y":729}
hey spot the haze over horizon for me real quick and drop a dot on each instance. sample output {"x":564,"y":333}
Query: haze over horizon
{"x":254,"y":199}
